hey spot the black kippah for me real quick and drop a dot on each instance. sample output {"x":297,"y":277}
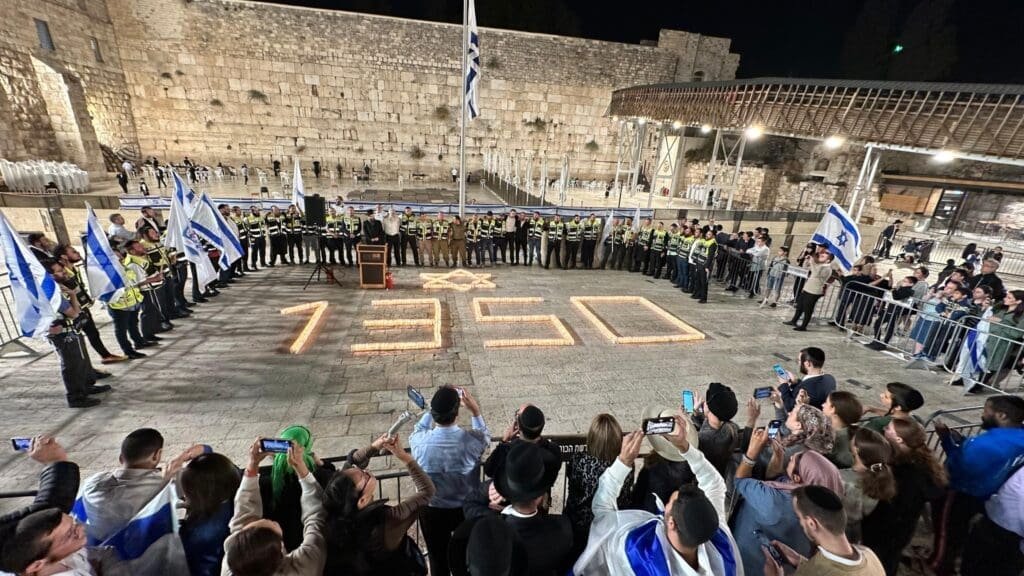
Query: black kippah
{"x":823,"y":498}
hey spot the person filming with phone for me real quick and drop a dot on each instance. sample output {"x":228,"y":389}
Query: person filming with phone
{"x":815,"y":381}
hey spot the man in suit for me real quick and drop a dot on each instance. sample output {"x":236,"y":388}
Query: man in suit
{"x":373,"y":230}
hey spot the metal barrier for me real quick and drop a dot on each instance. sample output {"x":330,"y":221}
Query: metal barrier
{"x":941,"y":249}
{"x":10,"y":331}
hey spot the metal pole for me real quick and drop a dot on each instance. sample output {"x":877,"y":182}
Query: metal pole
{"x":712,"y":167}
{"x":634,"y":163}
{"x":544,"y":179}
{"x":680,"y":163}
{"x":657,"y":159}
{"x":464,"y":55}
{"x":736,"y":172}
{"x":864,"y":168}
{"x":867,"y":185}
{"x":618,"y":157}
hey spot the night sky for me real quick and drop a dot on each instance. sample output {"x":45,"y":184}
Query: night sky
{"x":942,"y":40}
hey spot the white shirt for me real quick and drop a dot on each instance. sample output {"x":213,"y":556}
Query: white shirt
{"x":510,"y":224}
{"x":391,"y":223}
{"x":1005,"y":506}
{"x":119,"y":231}
{"x":77,"y":565}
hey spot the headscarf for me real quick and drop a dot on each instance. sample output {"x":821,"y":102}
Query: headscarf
{"x":815,"y":430}
{"x":301,"y":436}
{"x":814,"y":470}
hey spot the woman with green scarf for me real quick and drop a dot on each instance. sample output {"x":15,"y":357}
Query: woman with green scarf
{"x":280,"y":487}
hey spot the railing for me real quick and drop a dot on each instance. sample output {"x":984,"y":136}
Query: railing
{"x":942,"y":249}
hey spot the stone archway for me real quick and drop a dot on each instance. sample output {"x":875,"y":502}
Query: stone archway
{"x":66,"y":107}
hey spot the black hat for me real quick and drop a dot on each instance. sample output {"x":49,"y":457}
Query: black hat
{"x":486,"y":545}
{"x":369,"y":212}
{"x":699,"y":518}
{"x":445,"y":401}
{"x":531,"y":421}
{"x":898,"y":222}
{"x":522,"y":476}
{"x":721,"y":401}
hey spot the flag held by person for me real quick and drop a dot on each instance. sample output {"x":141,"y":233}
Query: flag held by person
{"x":605,"y":233}
{"x":182,"y":237}
{"x":298,"y":189}
{"x":208,"y":222}
{"x":838,"y":232}
{"x":102,"y":266}
{"x":472,"y":65}
{"x":37,"y":297}
{"x":636,"y":220}
{"x":149,"y":544}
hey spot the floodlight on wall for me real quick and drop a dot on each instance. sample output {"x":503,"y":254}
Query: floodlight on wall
{"x":677,"y":125}
{"x":834,"y":141}
{"x":641,"y":121}
{"x":753,"y":132}
{"x":705,"y":129}
{"x":943,"y":157}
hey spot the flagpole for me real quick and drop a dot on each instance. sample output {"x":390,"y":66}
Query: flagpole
{"x":464,"y":56}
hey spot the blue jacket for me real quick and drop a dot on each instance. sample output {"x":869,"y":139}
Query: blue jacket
{"x":979,"y":465}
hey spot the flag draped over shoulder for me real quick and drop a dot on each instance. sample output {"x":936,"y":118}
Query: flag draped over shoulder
{"x":149,"y":544}
{"x":472,"y":88}
{"x":838,"y":232}
{"x":298,"y":188}
{"x":972,"y":358}
{"x":37,"y":297}
{"x":102,"y":267}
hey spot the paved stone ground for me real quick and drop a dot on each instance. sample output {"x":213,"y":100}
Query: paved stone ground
{"x":224,"y":376}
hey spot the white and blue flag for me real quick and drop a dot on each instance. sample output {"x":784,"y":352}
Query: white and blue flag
{"x":37,"y":297}
{"x":605,"y":233}
{"x":150,"y":544}
{"x":840,"y":235}
{"x":208,"y":222}
{"x":636,"y":219}
{"x":472,"y":87}
{"x":102,"y":267}
{"x":972,"y":359}
{"x":183,"y":238}
{"x":298,"y":188}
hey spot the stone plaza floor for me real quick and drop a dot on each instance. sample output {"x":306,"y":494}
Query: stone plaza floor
{"x":225,"y":376}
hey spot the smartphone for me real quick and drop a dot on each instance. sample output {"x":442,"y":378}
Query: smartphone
{"x":780,"y":371}
{"x":762,"y":392}
{"x":660,"y":425}
{"x":275,"y":445}
{"x":771,"y":548}
{"x":416,"y":397}
{"x":460,"y":391}
{"x":21,"y":444}
{"x":773,"y":429}
{"x":688,"y":401}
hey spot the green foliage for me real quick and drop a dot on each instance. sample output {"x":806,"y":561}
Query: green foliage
{"x":493,"y":63}
{"x":257,"y":96}
{"x":217,"y":103}
{"x":442,"y":113}
{"x":592,"y":146}
{"x":416,"y":153}
{"x":166,"y":76}
{"x":538,"y":124}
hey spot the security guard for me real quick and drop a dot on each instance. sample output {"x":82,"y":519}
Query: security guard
{"x":659,"y":241}
{"x":426,"y":240}
{"x":441,"y":240}
{"x":353,"y":227}
{"x":472,"y":239}
{"x":243,"y":236}
{"x":150,"y":318}
{"x":642,"y":250}
{"x":674,"y":239}
{"x":703,"y":258}
{"x":258,"y":236}
{"x":573,"y":231}
{"x":621,"y":246}
{"x":125,"y":313}
{"x":535,"y":238}
{"x":409,"y":230}
{"x":556,"y":233}
{"x":489,"y":231}
{"x":278,"y":235}
{"x":332,"y":239}
{"x":683,"y":260}
{"x":293,"y":224}
{"x":591,"y":234}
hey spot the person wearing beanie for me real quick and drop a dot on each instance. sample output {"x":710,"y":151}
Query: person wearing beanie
{"x":450,"y":455}
{"x":691,"y":538}
{"x":898,"y":401}
{"x":527,"y":426}
{"x":719,"y":435}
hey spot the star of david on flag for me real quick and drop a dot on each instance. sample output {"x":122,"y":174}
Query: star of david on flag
{"x":839,"y":233}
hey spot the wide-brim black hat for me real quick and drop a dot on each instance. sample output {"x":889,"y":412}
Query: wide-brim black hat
{"x":522,"y":476}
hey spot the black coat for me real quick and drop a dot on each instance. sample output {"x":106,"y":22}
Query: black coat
{"x":58,"y":486}
{"x":372,"y":228}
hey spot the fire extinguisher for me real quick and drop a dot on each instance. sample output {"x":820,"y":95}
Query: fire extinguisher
{"x":389,"y":281}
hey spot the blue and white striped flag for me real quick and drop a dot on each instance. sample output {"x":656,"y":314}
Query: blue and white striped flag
{"x":149,"y":544}
{"x":838,"y":232}
{"x":472,"y":88}
{"x":208,"y":222}
{"x":36,"y":294}
{"x":102,"y":267}
{"x":183,"y":238}
{"x":972,"y":355}
{"x":298,"y":189}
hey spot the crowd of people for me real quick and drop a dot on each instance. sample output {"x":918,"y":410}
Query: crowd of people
{"x":829,"y":486}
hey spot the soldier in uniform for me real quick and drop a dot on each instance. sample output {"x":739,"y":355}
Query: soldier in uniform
{"x":278,"y":236}
{"x":591,"y":234}
{"x":656,"y":251}
{"x":353,"y":229}
{"x":556,"y":233}
{"x":409,"y":230}
{"x":425,"y":228}
{"x":293,"y":223}
{"x":535,"y":235}
{"x":457,"y":241}
{"x":573,"y":231}
{"x":441,"y":239}
{"x":258,"y":237}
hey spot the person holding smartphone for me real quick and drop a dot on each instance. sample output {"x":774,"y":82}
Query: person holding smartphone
{"x":815,"y":381}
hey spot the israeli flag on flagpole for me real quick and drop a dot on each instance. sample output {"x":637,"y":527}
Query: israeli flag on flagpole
{"x":208,"y":222}
{"x":472,"y":65}
{"x":37,"y":297}
{"x":149,"y":544}
{"x":102,"y":267}
{"x":183,"y":238}
{"x":838,"y":232}
{"x":636,"y":219}
{"x":298,"y":189}
{"x":605,"y":232}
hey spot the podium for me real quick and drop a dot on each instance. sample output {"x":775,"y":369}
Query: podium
{"x":373,"y":265}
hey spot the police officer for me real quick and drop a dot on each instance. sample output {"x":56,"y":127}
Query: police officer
{"x":556,"y":233}
{"x":683,"y":259}
{"x":472,"y":239}
{"x":150,"y":318}
{"x":591,"y":234}
{"x":258,"y":237}
{"x":642,"y":249}
{"x":622,"y":235}
{"x":278,"y":235}
{"x":333,"y":239}
{"x":409,"y":231}
{"x":125,"y":313}
{"x":71,"y":261}
{"x":488,"y":229}
{"x":243,"y":237}
{"x":703,"y":258}
{"x":293,"y":224}
{"x":659,"y":241}
{"x":160,"y":259}
{"x":535,"y":235}
{"x":573,"y":231}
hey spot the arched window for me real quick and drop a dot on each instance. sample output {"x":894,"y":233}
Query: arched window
{"x":698,"y":76}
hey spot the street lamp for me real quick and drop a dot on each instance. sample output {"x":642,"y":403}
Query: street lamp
{"x":834,"y":141}
{"x":753,"y":132}
{"x":677,"y":125}
{"x":943,"y":157}
{"x":705,"y":129}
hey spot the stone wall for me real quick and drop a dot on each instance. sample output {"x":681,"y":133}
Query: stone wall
{"x":228,"y":81}
{"x":98,"y":99}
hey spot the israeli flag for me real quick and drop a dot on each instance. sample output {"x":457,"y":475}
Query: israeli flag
{"x":183,"y":238}
{"x":472,"y":65}
{"x":636,"y":220}
{"x":840,"y":235}
{"x":972,"y":359}
{"x":37,"y":297}
{"x":149,"y":544}
{"x":298,"y":189}
{"x":182,"y":191}
{"x":605,"y":233}
{"x":208,"y":222}
{"x":102,"y":267}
